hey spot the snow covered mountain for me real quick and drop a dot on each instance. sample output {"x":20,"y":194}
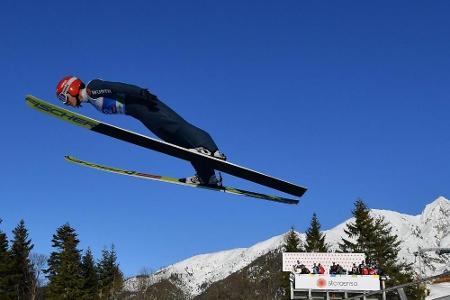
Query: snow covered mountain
{"x":427,"y":230}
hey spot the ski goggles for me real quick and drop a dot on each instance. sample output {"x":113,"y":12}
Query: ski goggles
{"x":63,"y":97}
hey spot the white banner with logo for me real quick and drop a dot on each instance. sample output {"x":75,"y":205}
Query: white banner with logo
{"x":337,"y":282}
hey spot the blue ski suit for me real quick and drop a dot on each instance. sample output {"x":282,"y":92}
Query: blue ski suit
{"x":116,"y":97}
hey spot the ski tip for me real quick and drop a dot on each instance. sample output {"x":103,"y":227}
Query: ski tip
{"x":31,"y":100}
{"x":29,"y":97}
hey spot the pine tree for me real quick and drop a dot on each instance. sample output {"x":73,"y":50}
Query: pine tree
{"x":22,"y":275}
{"x":64,"y":266}
{"x":385,"y":255}
{"x":315,"y":240}
{"x":292,"y":242}
{"x":89,"y":273}
{"x":385,"y":247}
{"x":362,"y":231}
{"x":6,"y":290}
{"x":110,"y":277}
{"x":373,"y":236}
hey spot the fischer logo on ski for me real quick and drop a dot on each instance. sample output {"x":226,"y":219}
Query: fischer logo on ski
{"x":62,"y":114}
{"x":110,"y":169}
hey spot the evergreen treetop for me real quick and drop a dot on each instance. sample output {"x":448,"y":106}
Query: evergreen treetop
{"x":292,"y":242}
{"x":22,"y":272}
{"x":361,"y":232}
{"x":64,"y":266}
{"x":6,"y":283}
{"x":109,"y":275}
{"x":315,"y":239}
{"x":90,"y":277}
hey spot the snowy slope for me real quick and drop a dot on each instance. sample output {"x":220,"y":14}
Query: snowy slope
{"x":203,"y":269}
{"x":429,"y":229}
{"x":439,"y":290}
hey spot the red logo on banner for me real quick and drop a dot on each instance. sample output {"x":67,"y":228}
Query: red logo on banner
{"x":321,"y":283}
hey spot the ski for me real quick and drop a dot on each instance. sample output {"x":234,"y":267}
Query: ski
{"x":173,"y":180}
{"x":164,"y":147}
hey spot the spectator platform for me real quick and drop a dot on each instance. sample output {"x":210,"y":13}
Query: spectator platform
{"x":346,"y":260}
{"x":328,"y":286}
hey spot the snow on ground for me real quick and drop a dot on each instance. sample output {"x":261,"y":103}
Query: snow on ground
{"x":439,"y":290}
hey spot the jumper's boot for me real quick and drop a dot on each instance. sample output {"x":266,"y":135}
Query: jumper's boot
{"x":216,"y":154}
{"x":213,"y":180}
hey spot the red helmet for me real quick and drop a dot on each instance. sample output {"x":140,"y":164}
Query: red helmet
{"x":69,"y":85}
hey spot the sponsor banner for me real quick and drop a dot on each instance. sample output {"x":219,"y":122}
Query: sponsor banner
{"x":337,"y":282}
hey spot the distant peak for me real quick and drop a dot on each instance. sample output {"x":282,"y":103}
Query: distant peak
{"x":441,"y":199}
{"x":440,"y":206}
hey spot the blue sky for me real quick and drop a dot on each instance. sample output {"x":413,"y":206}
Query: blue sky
{"x":349,"y":98}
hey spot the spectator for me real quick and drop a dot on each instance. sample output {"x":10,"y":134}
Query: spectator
{"x":373,"y":269}
{"x":355,"y":270}
{"x":340,"y":270}
{"x":315,"y":269}
{"x":304,"y":269}
{"x":333,"y":268}
{"x":361,"y":266}
{"x":297,"y":267}
{"x":364,"y":270}
{"x":321,"y":269}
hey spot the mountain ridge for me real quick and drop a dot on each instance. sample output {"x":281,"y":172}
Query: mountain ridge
{"x":429,"y":229}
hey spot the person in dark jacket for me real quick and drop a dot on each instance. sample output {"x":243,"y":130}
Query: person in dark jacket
{"x":340,"y":270}
{"x":333,"y":268}
{"x":122,"y":98}
{"x":355,"y":270}
{"x":361,"y":267}
{"x":304,"y":270}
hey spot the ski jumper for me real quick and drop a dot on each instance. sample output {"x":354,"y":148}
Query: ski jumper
{"x":121,"y":98}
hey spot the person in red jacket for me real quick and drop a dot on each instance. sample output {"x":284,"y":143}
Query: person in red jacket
{"x":122,"y":98}
{"x":321,"y":269}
